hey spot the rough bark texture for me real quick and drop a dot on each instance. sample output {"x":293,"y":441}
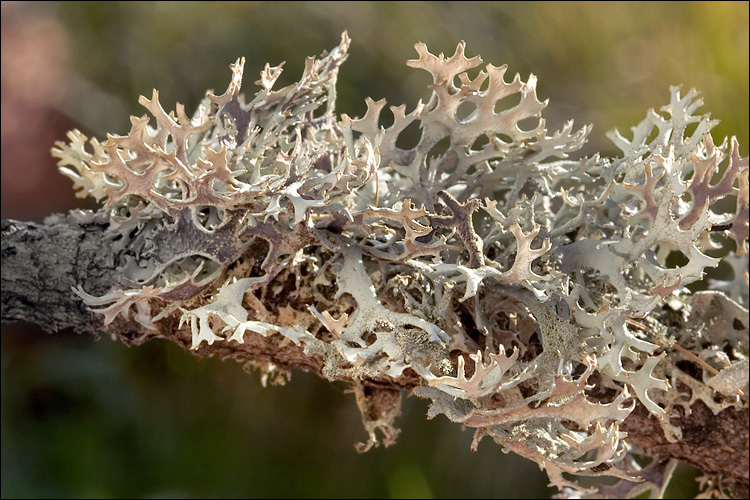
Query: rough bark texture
{"x":717,"y":444}
{"x":41,"y":263}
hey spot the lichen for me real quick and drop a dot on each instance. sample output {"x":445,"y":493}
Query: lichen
{"x":517,"y":284}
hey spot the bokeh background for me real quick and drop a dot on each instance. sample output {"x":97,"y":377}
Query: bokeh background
{"x":97,"y":419}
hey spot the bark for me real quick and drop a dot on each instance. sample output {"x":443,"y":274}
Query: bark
{"x":42,"y":263}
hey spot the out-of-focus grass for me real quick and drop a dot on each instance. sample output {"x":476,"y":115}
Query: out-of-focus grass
{"x":89,"y":419}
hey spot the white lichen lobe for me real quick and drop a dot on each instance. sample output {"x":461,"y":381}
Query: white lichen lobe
{"x":533,"y":295}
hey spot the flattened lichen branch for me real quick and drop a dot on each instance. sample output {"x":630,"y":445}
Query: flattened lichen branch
{"x":533,"y":297}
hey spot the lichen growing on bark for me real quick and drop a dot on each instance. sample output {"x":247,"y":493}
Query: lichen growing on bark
{"x":534,"y":295}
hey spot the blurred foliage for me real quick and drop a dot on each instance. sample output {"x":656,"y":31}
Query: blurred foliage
{"x":86,"y":419}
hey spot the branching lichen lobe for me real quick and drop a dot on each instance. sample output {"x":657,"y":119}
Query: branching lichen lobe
{"x":509,"y":284}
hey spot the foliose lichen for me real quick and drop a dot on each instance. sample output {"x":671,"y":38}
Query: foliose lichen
{"x":536,"y":297}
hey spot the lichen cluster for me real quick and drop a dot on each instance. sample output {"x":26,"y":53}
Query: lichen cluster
{"x":535,"y":297}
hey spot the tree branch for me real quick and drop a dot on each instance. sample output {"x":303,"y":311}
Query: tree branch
{"x":42,"y":263}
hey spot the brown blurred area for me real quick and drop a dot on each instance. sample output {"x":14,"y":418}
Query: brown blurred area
{"x":33,"y":80}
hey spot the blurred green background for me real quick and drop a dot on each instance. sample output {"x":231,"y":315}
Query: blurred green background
{"x":97,"y":419}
